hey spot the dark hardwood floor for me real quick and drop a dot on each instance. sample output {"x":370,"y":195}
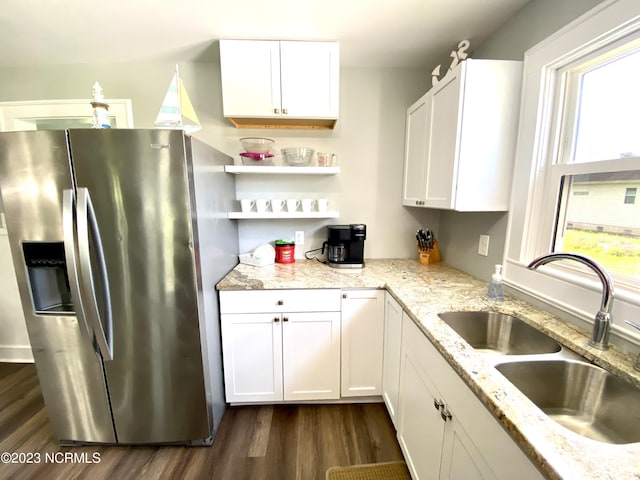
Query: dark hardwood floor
{"x":252,"y":443}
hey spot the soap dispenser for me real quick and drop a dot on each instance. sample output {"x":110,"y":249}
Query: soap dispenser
{"x":496,"y":292}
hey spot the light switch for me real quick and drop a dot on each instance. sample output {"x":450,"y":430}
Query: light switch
{"x":483,"y":245}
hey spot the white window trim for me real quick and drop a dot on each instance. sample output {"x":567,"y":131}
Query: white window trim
{"x":576,"y":294}
{"x":16,"y":115}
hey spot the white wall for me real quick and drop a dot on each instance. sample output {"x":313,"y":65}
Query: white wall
{"x":368,"y":139}
{"x":14,"y":340}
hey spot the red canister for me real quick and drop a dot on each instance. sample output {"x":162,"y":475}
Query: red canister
{"x":285,"y":251}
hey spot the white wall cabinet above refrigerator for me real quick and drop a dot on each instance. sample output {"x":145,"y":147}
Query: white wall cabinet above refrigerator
{"x":460,"y":139}
{"x":280,"y":84}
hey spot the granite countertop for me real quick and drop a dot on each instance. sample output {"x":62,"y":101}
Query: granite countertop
{"x":424,"y":291}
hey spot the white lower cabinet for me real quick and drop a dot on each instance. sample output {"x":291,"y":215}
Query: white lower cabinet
{"x":391,"y":360}
{"x":443,"y":429}
{"x":252,"y":354}
{"x":362,"y":342}
{"x":279,"y":354}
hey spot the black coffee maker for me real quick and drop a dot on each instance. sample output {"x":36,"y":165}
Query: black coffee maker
{"x":345,"y":246}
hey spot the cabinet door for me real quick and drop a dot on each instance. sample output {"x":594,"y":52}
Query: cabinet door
{"x":415,"y":155}
{"x":460,"y":457}
{"x":442,"y":146}
{"x":362,"y":342}
{"x":252,"y":355}
{"x":421,"y":428}
{"x":391,"y":358}
{"x":311,"y":355}
{"x":250,"y":73}
{"x":310,"y":76}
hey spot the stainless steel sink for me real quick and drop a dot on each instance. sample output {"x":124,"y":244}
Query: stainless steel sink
{"x":580,"y":396}
{"x":497,"y":333}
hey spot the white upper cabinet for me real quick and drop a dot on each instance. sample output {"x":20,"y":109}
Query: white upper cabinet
{"x":280,"y":84}
{"x":415,"y":152}
{"x":460,"y":139}
{"x":250,"y":72}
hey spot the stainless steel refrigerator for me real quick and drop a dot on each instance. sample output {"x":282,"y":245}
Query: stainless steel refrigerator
{"x":118,"y":238}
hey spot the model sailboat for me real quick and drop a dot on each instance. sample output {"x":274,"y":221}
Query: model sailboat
{"x":177,"y":111}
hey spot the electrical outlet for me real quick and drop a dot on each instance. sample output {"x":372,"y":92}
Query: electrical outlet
{"x":483,"y":245}
{"x":299,"y":238}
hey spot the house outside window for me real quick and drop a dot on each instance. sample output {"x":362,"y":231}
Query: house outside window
{"x":578,"y":156}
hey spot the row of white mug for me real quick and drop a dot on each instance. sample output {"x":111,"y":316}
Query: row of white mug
{"x":290,"y":205}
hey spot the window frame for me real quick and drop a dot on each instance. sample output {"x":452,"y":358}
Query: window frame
{"x":571,"y":290}
{"x":17,"y":115}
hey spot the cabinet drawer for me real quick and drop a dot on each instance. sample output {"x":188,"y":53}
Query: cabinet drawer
{"x":265,"y":301}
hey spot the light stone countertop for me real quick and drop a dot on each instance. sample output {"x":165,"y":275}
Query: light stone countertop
{"x":424,"y":291}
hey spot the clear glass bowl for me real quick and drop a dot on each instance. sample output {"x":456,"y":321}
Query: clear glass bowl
{"x":257,"y":144}
{"x":297,"y":156}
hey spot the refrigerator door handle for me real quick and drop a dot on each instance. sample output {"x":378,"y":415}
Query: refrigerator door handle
{"x":86,"y":219}
{"x":72,"y":261}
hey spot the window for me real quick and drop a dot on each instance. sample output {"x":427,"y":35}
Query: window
{"x":59,"y":114}
{"x":599,"y":225}
{"x":595,"y":138}
{"x":577,"y":168}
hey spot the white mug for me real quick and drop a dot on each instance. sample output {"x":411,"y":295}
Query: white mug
{"x":292,"y":204}
{"x":246,"y":204}
{"x":307,"y":204}
{"x":261,"y":205}
{"x":323,"y":204}
{"x":277,"y":205}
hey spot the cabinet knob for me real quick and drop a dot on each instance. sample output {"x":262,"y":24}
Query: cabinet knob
{"x":276,"y":319}
{"x":285,"y":111}
{"x":285,"y":319}
{"x":438,"y":404}
{"x":276,"y":111}
{"x":280,"y":302}
{"x":344,"y":295}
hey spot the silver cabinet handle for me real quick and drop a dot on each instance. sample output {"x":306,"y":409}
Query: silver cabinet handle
{"x":72,"y":262}
{"x":445,"y":414}
{"x":86,"y":219}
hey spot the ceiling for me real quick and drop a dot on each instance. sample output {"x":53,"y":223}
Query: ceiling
{"x":372,"y":33}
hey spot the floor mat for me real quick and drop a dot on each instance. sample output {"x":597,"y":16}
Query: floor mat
{"x":372,"y":471}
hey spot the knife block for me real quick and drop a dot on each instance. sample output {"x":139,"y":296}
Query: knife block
{"x":430,"y":255}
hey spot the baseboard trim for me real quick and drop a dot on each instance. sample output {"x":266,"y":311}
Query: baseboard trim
{"x":13,"y":354}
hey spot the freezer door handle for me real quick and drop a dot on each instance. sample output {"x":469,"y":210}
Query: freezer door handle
{"x":87,"y":223}
{"x":68,"y":229}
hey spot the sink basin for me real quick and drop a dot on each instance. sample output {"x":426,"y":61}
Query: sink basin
{"x":497,"y":333}
{"x":580,"y":396}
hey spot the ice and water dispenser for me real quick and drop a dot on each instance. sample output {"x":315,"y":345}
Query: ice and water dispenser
{"x":48,"y":279}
